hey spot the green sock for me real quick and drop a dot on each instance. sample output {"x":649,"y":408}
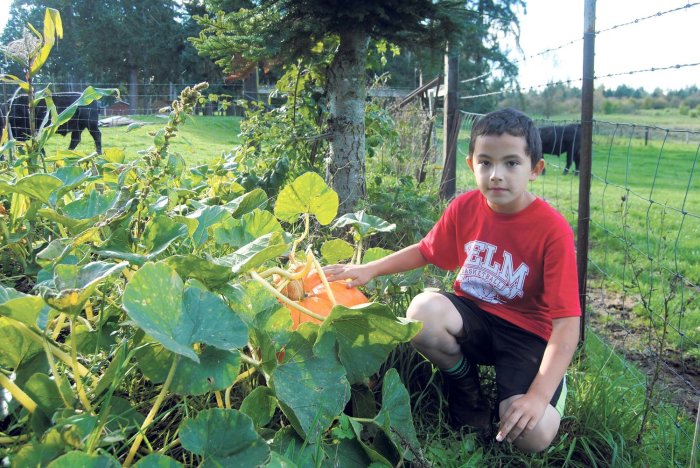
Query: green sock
{"x":457,"y":371}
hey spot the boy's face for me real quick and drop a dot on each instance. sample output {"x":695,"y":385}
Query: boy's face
{"x":503,"y":169}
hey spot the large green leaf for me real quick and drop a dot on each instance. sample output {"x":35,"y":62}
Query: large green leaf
{"x":84,"y":460}
{"x":239,"y":232}
{"x":309,"y":193}
{"x":365,"y":225}
{"x":16,"y":347}
{"x":160,"y":232}
{"x":201,"y":269}
{"x":71,"y":176}
{"x":260,"y":405}
{"x":336,"y":250}
{"x":72,"y":285}
{"x":224,"y":437}
{"x":19,"y":306}
{"x":44,"y":391}
{"x":216,"y":370}
{"x":156,"y":460}
{"x":207,"y":217}
{"x":90,"y":206}
{"x":395,"y":417}
{"x":255,"y":253}
{"x":35,"y":186}
{"x":158,"y":302}
{"x":254,"y":200}
{"x":366,"y":334}
{"x":40,"y":453}
{"x":310,"y":384}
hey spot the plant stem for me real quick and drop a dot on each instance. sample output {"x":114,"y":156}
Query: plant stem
{"x":219,"y":400}
{"x":9,"y":440}
{"x":282,"y":298}
{"x":17,"y":393}
{"x":76,"y":374}
{"x":152,"y":414}
{"x":55,"y":350}
{"x":54,"y":371}
{"x":324,"y":280}
{"x":60,"y":322}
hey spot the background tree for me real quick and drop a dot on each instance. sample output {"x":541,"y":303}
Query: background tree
{"x":284,"y":30}
{"x":114,"y":42}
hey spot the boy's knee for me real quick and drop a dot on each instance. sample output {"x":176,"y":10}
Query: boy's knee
{"x":538,"y":440}
{"x":542,"y":436}
{"x":418,"y":309}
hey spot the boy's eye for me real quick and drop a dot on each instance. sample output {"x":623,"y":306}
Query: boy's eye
{"x":513,"y":163}
{"x":484,"y":163}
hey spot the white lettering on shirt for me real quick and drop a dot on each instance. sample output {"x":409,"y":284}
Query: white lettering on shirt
{"x":488,"y":280}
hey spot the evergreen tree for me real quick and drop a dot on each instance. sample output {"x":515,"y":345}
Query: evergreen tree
{"x":283,"y":30}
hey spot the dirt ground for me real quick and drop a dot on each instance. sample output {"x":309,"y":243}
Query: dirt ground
{"x":612,"y":319}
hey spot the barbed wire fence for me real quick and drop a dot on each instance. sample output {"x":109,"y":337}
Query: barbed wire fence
{"x":644,"y":250}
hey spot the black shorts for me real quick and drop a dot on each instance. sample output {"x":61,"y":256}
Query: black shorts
{"x":515,"y":353}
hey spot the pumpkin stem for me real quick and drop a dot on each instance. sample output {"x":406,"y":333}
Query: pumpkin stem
{"x":324,"y":280}
{"x":281,"y":297}
{"x":292,"y":254}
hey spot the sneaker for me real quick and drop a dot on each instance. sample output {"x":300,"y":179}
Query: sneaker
{"x":467,"y":406}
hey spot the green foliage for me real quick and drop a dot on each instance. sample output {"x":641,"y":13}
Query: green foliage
{"x":160,"y":274}
{"x":280,"y":143}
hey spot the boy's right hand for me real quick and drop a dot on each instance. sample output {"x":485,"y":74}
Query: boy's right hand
{"x":357,"y":274}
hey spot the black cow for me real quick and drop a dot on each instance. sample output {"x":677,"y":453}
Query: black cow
{"x":558,"y":139}
{"x":84,"y":117}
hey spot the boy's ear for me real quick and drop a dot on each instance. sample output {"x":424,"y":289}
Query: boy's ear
{"x":470,"y":163}
{"x":537,"y":170}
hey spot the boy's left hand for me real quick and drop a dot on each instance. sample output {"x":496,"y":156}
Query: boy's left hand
{"x":522,"y":416}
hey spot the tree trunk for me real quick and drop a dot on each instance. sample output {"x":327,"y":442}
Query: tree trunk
{"x":134,"y":90}
{"x":345,"y":172}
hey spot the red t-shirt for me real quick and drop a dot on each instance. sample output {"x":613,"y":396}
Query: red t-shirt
{"x":520,"y":267}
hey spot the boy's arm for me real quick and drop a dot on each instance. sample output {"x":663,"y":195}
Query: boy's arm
{"x":527,"y":411}
{"x":403,"y":260}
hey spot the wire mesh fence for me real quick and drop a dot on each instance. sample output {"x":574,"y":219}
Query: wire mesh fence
{"x":643,"y":257}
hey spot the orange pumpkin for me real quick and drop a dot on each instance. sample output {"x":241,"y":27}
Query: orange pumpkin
{"x":318,"y":301}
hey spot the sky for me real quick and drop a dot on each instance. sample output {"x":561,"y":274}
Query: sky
{"x":661,"y":41}
{"x":658,"y":42}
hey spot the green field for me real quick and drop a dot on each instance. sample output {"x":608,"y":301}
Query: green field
{"x":198,"y":141}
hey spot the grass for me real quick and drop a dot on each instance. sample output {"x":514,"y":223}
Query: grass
{"x":200,"y":140}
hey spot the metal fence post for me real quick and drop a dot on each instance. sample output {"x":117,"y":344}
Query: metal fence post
{"x":586,"y":151}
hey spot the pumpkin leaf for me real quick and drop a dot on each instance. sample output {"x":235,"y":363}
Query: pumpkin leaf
{"x":364,"y":224}
{"x":239,"y":232}
{"x":224,"y":437}
{"x":216,"y":370}
{"x":19,"y":306}
{"x":205,"y":270}
{"x":16,"y":347}
{"x":395,"y":417}
{"x":336,"y":250}
{"x":260,"y":405}
{"x":207,"y":217}
{"x":366,"y":334}
{"x":255,"y":200}
{"x":84,"y":460}
{"x":310,"y":194}
{"x":156,"y":460}
{"x":255,"y":253}
{"x":177,"y":316}
{"x":310,"y":384}
{"x":72,"y":285}
{"x":35,"y":186}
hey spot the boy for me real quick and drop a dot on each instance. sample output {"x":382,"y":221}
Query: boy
{"x":515,"y":303}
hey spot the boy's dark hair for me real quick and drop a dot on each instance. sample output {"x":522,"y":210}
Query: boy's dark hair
{"x":514,"y":123}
